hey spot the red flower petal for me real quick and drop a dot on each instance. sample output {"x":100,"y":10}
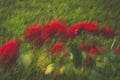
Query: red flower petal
{"x":92,"y":51}
{"x":55,"y":28}
{"x":91,"y":27}
{"x":117,"y":50}
{"x":9,"y":51}
{"x":82,"y":45}
{"x":56,"y":47}
{"x":32,"y":31}
{"x":107,"y":31}
{"x":75,"y":29}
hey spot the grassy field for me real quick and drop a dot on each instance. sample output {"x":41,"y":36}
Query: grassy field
{"x":16,"y":15}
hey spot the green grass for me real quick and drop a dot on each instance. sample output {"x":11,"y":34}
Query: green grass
{"x":16,"y":15}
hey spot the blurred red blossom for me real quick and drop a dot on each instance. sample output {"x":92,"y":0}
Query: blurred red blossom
{"x":92,"y":51}
{"x":117,"y":50}
{"x":91,"y":27}
{"x":32,"y":31}
{"x":98,"y":49}
{"x":55,"y":28}
{"x":56,"y":48}
{"x":83,"y":45}
{"x":107,"y":31}
{"x":74,"y":30}
{"x":61,"y":27}
{"x":8,"y":51}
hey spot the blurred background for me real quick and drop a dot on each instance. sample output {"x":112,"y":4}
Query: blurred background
{"x":16,"y":15}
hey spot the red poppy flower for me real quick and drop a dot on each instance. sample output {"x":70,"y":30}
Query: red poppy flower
{"x":49,"y":31}
{"x":117,"y":50}
{"x":56,"y":47}
{"x":82,"y":45}
{"x":107,"y":31}
{"x":8,"y":51}
{"x":74,"y":29}
{"x":32,"y":31}
{"x":91,"y":27}
{"x":92,"y":51}
{"x":61,"y":27}
{"x":54,"y":28}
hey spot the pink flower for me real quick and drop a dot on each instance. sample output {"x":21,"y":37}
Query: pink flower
{"x":8,"y":51}
{"x":32,"y":31}
{"x":107,"y":31}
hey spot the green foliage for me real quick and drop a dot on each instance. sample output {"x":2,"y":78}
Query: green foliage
{"x":77,"y":56}
{"x":16,"y":15}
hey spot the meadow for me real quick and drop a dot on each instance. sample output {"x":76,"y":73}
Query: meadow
{"x":90,"y":52}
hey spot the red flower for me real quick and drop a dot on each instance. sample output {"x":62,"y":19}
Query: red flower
{"x":91,"y":27}
{"x":61,"y":27}
{"x":92,"y":51}
{"x":54,"y":28}
{"x":8,"y":51}
{"x":74,"y":29}
{"x":117,"y":50}
{"x":107,"y":31}
{"x":32,"y":31}
{"x":56,"y":47}
{"x":83,"y":45}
